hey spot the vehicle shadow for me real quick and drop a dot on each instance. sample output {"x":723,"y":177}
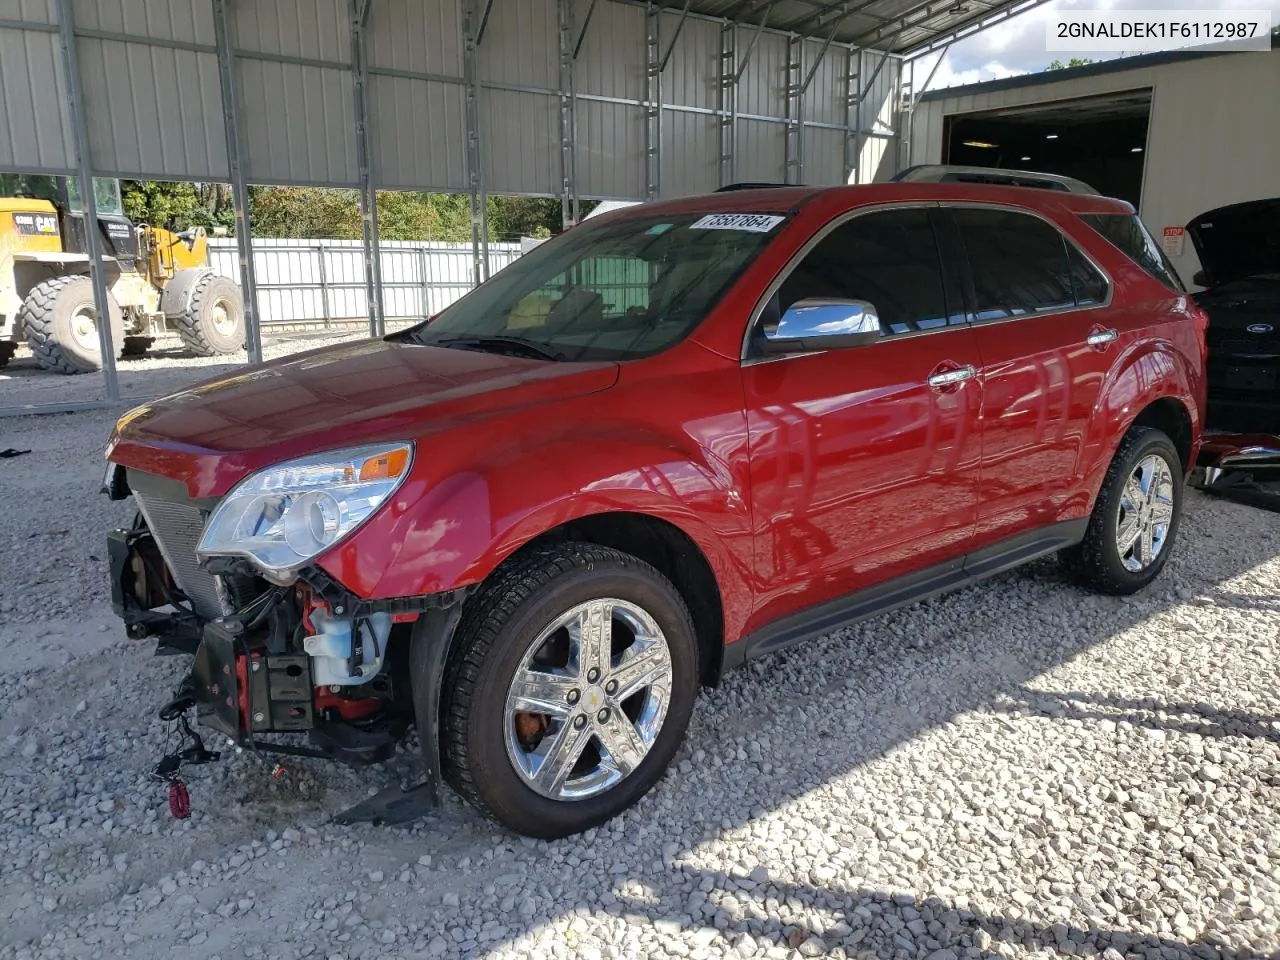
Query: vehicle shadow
{"x":867,"y":922}
{"x":862,"y":694}
{"x":1199,"y":718}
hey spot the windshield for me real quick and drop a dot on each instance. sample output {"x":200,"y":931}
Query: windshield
{"x":106,"y":191}
{"x":34,"y":185}
{"x":609,"y":291}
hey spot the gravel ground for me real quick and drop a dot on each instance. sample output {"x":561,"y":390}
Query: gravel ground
{"x":165,"y":368}
{"x":1021,"y":769}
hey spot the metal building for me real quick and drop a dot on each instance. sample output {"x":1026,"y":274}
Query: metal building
{"x":1176,"y":134}
{"x":576,"y":99}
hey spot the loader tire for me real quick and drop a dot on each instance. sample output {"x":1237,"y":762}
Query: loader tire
{"x":213,"y":322}
{"x":60,"y":321}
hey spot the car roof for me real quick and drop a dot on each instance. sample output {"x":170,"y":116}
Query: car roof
{"x":793,"y":199}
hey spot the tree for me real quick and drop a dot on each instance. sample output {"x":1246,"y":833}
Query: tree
{"x":1073,"y":62}
{"x":176,"y":206}
{"x":334,"y":214}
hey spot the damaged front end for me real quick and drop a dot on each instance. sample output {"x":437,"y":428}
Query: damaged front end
{"x":1241,"y":467}
{"x":303,"y":668}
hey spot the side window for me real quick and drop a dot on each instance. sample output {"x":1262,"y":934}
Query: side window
{"x":1090,"y":286}
{"x":1127,"y":232}
{"x":889,"y":259}
{"x":1019,"y":263}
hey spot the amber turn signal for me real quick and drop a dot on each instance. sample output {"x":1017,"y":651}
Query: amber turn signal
{"x":385,"y":467}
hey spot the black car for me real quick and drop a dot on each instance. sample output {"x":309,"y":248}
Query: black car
{"x":1239,"y":250}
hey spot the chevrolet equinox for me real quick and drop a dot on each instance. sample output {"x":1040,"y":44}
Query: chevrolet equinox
{"x":674,"y":438}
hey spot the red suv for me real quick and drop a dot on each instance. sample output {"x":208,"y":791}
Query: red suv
{"x":675,"y":438}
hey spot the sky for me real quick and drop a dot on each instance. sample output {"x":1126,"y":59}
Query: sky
{"x":1017,"y":45}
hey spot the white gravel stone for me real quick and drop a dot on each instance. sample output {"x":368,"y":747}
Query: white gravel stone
{"x":1021,"y":769}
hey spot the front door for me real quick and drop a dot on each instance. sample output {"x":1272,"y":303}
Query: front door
{"x":861,"y":468}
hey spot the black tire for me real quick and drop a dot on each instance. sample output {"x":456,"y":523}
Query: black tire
{"x":497,"y":627}
{"x":213,"y":322}
{"x":1097,"y":562}
{"x":49,"y":317}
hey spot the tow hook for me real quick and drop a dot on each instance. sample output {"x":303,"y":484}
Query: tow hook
{"x":191,"y":750}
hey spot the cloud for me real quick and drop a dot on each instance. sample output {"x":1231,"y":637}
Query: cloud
{"x":1017,"y":45}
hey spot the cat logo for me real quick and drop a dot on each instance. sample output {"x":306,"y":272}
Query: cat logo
{"x":36,"y":223}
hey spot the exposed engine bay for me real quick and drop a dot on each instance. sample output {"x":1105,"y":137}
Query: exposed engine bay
{"x":307,"y":660}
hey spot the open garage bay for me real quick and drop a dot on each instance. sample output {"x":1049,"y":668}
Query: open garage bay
{"x":1021,"y":769}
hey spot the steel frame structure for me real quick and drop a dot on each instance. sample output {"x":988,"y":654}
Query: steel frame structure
{"x":809,"y":43}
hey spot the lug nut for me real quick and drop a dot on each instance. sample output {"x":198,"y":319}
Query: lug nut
{"x":573,"y":697}
{"x":603,"y":716}
{"x":611,"y":687}
{"x":593,"y":675}
{"x":579,"y":721}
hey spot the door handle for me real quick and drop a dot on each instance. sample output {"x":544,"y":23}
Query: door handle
{"x":1100,"y":338}
{"x":949,"y":378}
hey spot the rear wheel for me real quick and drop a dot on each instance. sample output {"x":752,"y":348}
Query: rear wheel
{"x":213,"y":322}
{"x":569,"y":689}
{"x":1135,"y":519}
{"x":60,"y":320}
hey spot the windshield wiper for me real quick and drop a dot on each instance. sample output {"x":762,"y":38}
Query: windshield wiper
{"x":528,"y":347}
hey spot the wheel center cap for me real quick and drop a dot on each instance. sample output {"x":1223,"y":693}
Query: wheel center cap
{"x":593,"y":698}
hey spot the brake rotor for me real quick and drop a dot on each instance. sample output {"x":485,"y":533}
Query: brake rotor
{"x":531,"y":728}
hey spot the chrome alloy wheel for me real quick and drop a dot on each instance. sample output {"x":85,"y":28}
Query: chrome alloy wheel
{"x":1146,"y":512}
{"x":588,"y":699}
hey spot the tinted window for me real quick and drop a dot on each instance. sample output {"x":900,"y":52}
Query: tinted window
{"x":1126,"y":231}
{"x":889,"y":259}
{"x":1019,"y":263}
{"x":1089,"y":285}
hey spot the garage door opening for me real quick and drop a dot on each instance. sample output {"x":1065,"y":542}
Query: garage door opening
{"x":1100,"y":140}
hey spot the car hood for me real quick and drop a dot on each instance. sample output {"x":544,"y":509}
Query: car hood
{"x":212,"y":434}
{"x":1238,"y":241}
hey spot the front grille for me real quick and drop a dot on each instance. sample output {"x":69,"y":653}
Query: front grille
{"x":176,"y":527}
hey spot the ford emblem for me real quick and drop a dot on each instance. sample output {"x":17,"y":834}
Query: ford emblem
{"x":1259,"y":328}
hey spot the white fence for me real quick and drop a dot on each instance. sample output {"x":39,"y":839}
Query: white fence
{"x":322,"y":281}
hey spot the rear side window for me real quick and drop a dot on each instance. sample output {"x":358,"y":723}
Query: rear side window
{"x":1126,"y":231}
{"x":1090,"y":286}
{"x":889,"y":259}
{"x":1019,"y":263}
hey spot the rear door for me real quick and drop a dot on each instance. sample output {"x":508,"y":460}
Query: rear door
{"x":1047,"y":338}
{"x":861,"y":468}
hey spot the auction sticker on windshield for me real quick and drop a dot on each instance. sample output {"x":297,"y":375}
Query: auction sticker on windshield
{"x":750,"y":222}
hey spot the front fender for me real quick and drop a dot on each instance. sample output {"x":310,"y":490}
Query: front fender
{"x":444,"y":535}
{"x":1150,"y":372}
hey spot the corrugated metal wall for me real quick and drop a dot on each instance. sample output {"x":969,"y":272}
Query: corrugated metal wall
{"x":1213,"y":138}
{"x":154,"y":110}
{"x":34,"y":131}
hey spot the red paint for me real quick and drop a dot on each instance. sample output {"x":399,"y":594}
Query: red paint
{"x":798,"y":479}
{"x":179,"y":800}
{"x":346,"y":708}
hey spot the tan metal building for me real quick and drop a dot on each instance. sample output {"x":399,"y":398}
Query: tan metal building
{"x":1174,"y":133}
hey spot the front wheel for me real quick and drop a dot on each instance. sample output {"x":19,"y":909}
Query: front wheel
{"x":1135,"y":519}
{"x":569,"y":689}
{"x":60,"y":318}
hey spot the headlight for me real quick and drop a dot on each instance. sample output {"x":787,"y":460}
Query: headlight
{"x":284,"y":515}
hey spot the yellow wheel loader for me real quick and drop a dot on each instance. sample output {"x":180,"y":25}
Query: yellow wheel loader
{"x":157,"y":281}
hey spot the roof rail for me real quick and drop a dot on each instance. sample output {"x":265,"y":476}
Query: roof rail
{"x":755,"y":185}
{"x":950,"y":173}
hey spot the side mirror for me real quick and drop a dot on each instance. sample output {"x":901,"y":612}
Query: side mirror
{"x":821,"y":323}
{"x":1201,"y":279}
